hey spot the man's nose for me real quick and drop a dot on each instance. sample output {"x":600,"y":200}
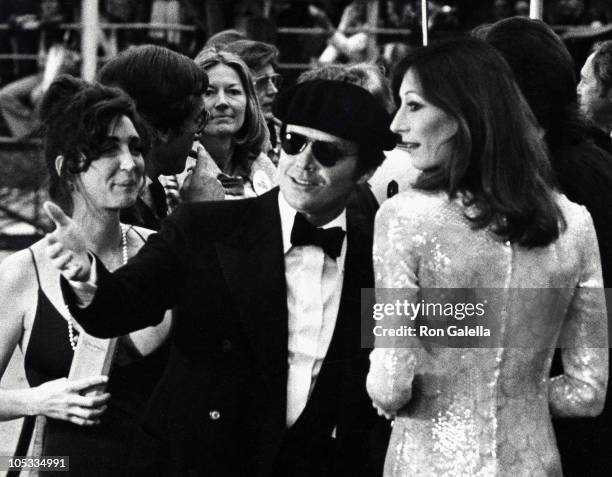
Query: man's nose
{"x":306,"y":160}
{"x":271,"y":88}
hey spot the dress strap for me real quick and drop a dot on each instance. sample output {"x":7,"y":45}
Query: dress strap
{"x":35,"y":266}
{"x":137,"y":233}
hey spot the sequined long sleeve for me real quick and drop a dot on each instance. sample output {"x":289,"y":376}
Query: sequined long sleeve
{"x":392,"y":370}
{"x":581,"y":390}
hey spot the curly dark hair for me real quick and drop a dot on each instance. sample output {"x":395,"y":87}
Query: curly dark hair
{"x":76,"y":116}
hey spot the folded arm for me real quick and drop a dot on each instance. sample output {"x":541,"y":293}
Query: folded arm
{"x":394,"y":360}
{"x":581,"y":390}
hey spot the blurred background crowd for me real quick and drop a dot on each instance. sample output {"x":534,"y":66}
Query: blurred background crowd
{"x":40,"y":39}
{"x":299,"y":28}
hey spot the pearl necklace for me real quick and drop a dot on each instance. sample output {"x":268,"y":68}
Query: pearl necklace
{"x":73,"y":337}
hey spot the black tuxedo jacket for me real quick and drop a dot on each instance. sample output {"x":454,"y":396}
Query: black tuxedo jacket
{"x":220,"y":407}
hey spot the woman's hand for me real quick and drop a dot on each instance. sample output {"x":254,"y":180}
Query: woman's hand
{"x":66,"y":245}
{"x":62,"y":399}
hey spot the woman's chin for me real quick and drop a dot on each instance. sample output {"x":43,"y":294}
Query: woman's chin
{"x":221,"y":130}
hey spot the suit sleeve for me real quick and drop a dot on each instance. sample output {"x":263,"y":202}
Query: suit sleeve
{"x":581,"y":390}
{"x":138,"y":294}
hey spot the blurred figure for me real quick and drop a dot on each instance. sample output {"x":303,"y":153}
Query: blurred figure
{"x":261,"y":58}
{"x":568,"y":12}
{"x":20,"y":99}
{"x":342,"y":46}
{"x":166,"y":12}
{"x":484,"y":216}
{"x":232,"y":163}
{"x":167,"y":88}
{"x":521,"y":8}
{"x":223,"y":38}
{"x":400,"y":14}
{"x":94,"y":146}
{"x":595,"y":89}
{"x":501,"y":9}
{"x":544,"y":70}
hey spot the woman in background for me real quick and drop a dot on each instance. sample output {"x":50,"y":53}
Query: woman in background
{"x":94,"y":146}
{"x":231,"y":164}
{"x":484,"y":218}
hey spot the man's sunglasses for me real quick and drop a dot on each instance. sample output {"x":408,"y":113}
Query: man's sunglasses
{"x":327,"y":153}
{"x":262,"y":82}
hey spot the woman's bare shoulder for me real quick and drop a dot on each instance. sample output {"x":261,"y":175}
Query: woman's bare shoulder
{"x":17,"y":270}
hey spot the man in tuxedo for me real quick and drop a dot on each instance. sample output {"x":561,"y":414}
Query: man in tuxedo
{"x":167,"y":88}
{"x":266,"y":375}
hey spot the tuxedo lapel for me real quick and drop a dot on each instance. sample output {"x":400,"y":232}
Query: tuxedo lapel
{"x":252,"y":262}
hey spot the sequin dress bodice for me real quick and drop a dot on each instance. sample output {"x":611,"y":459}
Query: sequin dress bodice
{"x":487,"y":411}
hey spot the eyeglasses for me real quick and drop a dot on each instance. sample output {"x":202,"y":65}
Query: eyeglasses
{"x":201,"y":121}
{"x":327,"y":153}
{"x":262,"y":82}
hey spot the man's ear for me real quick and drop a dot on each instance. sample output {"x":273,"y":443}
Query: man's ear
{"x":59,"y":163}
{"x":366,"y":176}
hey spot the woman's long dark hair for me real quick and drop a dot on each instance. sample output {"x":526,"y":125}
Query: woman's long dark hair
{"x":500,"y":163}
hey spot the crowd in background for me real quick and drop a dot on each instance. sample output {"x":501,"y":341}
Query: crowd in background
{"x":259,"y":20}
{"x":493,"y":138}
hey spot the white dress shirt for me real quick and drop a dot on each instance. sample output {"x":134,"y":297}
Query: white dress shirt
{"x":314,"y":285}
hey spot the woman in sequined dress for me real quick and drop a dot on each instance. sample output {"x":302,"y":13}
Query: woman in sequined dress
{"x":94,"y":148}
{"x":484,"y":217}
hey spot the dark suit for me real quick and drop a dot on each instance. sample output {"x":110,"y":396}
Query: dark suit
{"x":220,"y":408}
{"x":144,"y":216}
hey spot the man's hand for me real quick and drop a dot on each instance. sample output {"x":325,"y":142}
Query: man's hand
{"x":66,"y":245}
{"x":201,"y":182}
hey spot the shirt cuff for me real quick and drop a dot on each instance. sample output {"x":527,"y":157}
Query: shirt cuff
{"x":86,"y":291}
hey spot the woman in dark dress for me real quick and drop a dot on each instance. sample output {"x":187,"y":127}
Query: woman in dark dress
{"x":94,"y":151}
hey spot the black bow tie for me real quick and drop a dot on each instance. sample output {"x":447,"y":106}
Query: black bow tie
{"x":304,"y":233}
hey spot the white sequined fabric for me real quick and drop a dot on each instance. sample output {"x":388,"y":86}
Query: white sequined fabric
{"x":487,"y":411}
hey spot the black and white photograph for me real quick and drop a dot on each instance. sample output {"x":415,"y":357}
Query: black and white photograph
{"x":305,"y":238}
